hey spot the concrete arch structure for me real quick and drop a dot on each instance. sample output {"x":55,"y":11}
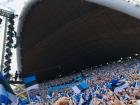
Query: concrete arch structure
{"x":60,"y":37}
{"x":130,"y":7}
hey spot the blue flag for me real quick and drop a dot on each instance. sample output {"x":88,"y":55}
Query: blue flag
{"x":31,"y":82}
{"x":7,"y":95}
{"x":84,"y":86}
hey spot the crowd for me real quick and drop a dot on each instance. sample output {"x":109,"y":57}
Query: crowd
{"x":112,"y":84}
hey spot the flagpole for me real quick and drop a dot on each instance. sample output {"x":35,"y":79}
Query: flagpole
{"x":24,"y":91}
{"x":29,"y":97}
{"x":42,"y":100}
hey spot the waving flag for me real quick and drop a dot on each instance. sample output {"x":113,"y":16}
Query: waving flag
{"x":120,"y":87}
{"x":7,"y":95}
{"x":79,"y":88}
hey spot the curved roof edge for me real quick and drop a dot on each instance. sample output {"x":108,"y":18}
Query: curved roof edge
{"x":25,"y":11}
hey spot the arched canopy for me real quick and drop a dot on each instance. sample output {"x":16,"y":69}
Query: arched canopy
{"x":64,"y":36}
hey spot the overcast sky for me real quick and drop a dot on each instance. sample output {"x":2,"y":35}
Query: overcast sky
{"x":15,"y":6}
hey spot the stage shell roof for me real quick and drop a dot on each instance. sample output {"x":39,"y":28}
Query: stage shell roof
{"x":60,"y":37}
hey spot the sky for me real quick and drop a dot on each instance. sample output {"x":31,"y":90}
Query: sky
{"x":15,"y":6}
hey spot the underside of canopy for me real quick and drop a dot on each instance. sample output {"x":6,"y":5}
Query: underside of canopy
{"x":60,"y":37}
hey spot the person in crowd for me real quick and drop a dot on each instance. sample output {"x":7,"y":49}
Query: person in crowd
{"x":113,"y":84}
{"x":16,"y":75}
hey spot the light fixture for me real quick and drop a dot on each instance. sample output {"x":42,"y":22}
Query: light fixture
{"x":119,"y":60}
{"x":136,"y":54}
{"x":129,"y":57}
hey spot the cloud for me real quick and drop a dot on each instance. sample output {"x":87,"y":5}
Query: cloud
{"x":13,"y":5}
{"x":4,"y":5}
{"x":2,"y":1}
{"x":6,"y":1}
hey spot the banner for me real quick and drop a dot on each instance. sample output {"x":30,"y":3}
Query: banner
{"x":31,"y":83}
